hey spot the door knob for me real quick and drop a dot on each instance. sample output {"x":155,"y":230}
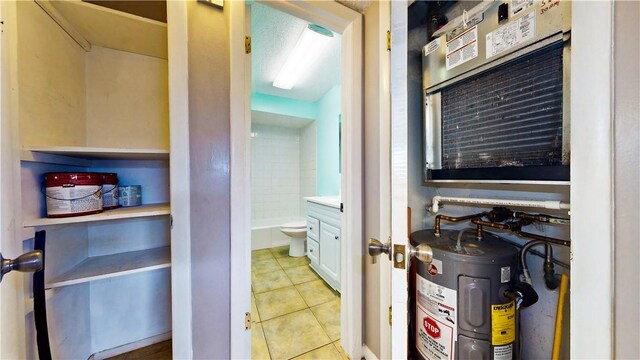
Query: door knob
{"x":376,"y":248}
{"x":27,"y":262}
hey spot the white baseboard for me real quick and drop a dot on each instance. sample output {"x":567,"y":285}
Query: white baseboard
{"x":367,"y":353}
{"x":130,"y":347}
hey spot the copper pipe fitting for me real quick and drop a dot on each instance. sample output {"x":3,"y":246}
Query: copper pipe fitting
{"x":440,"y":217}
{"x":544,"y":238}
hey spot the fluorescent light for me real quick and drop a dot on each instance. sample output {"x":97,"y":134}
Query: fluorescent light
{"x":310,"y":45}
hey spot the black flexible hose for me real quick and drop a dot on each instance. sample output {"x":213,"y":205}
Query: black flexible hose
{"x":550,"y":278}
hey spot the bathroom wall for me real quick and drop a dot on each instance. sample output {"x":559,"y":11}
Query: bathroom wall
{"x":283,"y":106}
{"x":308,"y":164}
{"x":275,"y":177}
{"x":328,"y":146}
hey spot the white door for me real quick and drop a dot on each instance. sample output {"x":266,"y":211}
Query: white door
{"x":399,"y":188}
{"x":12,"y":319}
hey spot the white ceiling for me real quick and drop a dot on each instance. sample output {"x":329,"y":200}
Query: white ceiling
{"x":273,"y":35}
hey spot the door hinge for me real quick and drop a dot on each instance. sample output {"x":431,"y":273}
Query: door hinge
{"x":247,"y":320}
{"x":390,"y":315}
{"x":247,"y":44}
{"x":388,"y":40}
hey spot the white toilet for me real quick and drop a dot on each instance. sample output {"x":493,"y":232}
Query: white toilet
{"x":297,"y":231}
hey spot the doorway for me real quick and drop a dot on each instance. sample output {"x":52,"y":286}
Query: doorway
{"x":295,"y":161}
{"x":348,"y":24}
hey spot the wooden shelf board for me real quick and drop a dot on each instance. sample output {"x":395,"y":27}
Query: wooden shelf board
{"x":115,"y":214}
{"x":95,"y":153}
{"x":110,"y":266}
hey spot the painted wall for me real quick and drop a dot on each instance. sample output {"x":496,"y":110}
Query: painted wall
{"x":209,"y":95}
{"x":284,"y":106}
{"x":328,"y":148}
{"x":626,"y":180}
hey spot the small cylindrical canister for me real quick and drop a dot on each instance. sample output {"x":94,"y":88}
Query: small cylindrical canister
{"x":130,"y":195}
{"x":109,"y":191}
{"x":72,"y":194}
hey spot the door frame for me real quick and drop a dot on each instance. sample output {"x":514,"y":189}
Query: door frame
{"x":349,"y":23}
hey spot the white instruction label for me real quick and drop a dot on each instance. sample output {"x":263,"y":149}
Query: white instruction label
{"x":431,"y":47}
{"x":462,"y":48}
{"x":503,"y":352}
{"x":519,"y":5}
{"x":512,"y":34}
{"x":436,"y":329}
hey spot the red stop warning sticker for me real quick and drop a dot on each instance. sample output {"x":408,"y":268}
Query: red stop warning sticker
{"x":434,"y":339}
{"x":432,"y":328}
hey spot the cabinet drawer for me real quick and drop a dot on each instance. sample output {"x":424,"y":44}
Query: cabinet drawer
{"x":313,"y":227}
{"x":313,"y":252}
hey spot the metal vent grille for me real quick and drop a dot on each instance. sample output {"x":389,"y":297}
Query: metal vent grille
{"x":508,"y":116}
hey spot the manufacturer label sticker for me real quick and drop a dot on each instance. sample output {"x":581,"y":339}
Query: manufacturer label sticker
{"x":462,"y":48}
{"x":503,"y":323}
{"x":511,"y":35}
{"x":505,"y":274}
{"x":503,"y":352}
{"x":519,"y":5}
{"x":431,"y":47}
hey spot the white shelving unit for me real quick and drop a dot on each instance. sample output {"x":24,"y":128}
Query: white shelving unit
{"x":115,"y":214}
{"x":110,"y":266}
{"x":92,"y":99}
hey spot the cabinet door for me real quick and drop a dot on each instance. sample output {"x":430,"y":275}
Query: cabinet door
{"x":330,"y":251}
{"x":314,"y":252}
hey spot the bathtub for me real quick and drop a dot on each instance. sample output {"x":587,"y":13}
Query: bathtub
{"x":265,"y":233}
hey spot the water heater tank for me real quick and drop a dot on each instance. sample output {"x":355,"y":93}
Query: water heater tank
{"x":461,"y":311}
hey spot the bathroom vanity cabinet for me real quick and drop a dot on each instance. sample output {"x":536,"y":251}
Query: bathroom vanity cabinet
{"x":90,"y":94}
{"x":324,"y":238}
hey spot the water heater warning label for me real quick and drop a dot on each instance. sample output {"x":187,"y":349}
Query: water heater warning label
{"x":436,"y":329}
{"x":503,"y":323}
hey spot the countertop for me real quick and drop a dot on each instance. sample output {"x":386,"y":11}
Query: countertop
{"x":332,"y":201}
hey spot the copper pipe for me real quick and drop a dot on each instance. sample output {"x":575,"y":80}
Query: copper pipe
{"x":541,"y":218}
{"x":544,"y":238}
{"x":491,"y":224}
{"x":479,"y":232}
{"x":440,"y":217}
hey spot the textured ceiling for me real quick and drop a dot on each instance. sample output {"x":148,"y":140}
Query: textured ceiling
{"x":273,"y":35}
{"x":357,"y":5}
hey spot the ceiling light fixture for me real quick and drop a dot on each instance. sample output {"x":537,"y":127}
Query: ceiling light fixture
{"x":310,"y":45}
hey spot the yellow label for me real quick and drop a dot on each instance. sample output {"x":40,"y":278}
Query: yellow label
{"x":503,"y":323}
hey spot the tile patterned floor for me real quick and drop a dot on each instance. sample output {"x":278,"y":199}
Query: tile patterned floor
{"x":295,"y":314}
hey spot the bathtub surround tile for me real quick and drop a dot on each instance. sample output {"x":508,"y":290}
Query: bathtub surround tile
{"x":316,"y":292}
{"x":294,"y":334}
{"x":289,"y":262}
{"x":280,"y":251}
{"x":279,"y":302}
{"x":259,"y":255}
{"x":259,"y":348}
{"x":263,"y":266}
{"x":269,"y":281}
{"x":328,"y":314}
{"x":301,"y":274}
{"x":327,"y":352}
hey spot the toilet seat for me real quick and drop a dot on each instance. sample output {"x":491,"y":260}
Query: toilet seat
{"x":300,"y":224}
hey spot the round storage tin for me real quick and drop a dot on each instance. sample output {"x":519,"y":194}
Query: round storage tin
{"x":72,"y":194}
